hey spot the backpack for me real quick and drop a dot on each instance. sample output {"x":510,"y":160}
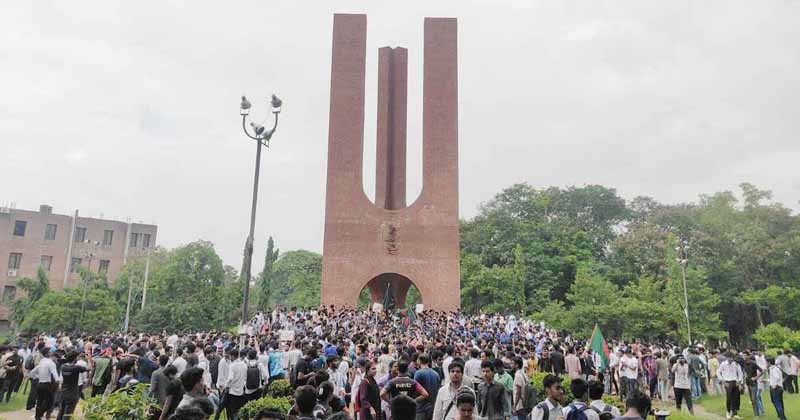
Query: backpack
{"x":577,"y":413}
{"x":528,"y":397}
{"x":253,"y":379}
{"x":605,"y":413}
{"x":29,"y":364}
{"x":545,"y":410}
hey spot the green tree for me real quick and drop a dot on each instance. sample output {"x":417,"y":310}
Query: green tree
{"x":33,"y":291}
{"x":592,"y":299}
{"x":134,"y":271}
{"x":188,"y":292}
{"x":62,"y":311}
{"x":264,"y":286}
{"x":295,"y":279}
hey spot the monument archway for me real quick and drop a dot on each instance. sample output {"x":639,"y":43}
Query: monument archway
{"x":365,"y":241}
{"x":397,"y":289}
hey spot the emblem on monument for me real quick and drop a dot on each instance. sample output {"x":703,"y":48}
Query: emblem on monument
{"x":389,"y":236}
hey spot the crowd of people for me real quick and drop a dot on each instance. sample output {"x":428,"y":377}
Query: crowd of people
{"x":348,"y":364}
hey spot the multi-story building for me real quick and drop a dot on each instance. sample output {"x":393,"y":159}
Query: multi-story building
{"x":61,"y":244}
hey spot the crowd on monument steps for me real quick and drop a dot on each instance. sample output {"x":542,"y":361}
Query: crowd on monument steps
{"x":390,"y":365}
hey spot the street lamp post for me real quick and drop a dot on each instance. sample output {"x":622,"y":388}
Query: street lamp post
{"x":683,"y":260}
{"x":262,"y":136}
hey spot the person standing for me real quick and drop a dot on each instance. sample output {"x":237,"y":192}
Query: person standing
{"x":11,"y":364}
{"x":504,"y":378}
{"x":573,"y":364}
{"x":637,"y":406}
{"x":557,"y":360}
{"x":713,"y":367}
{"x":70,"y":391}
{"x":794,"y":366}
{"x":554,"y":394}
{"x":101,"y":376}
{"x":234,"y":385}
{"x":369,"y":400}
{"x":682,"y":384}
{"x":47,"y":376}
{"x":697,"y":372}
{"x":429,"y":380}
{"x":159,"y":381}
{"x":596,"y":397}
{"x":662,"y":374}
{"x":629,"y":372}
{"x":403,"y":384}
{"x":491,"y":395}
{"x":521,"y":386}
{"x":580,"y":389}
{"x":731,"y":375}
{"x":752,"y":375}
{"x":446,"y":399}
{"x":775,"y":376}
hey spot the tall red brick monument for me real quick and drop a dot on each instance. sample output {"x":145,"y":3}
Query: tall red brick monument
{"x":388,"y":244}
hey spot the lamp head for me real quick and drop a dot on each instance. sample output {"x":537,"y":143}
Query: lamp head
{"x":276,"y":104}
{"x":244,"y":107}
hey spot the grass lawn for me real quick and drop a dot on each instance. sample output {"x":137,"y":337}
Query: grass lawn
{"x":716,"y":404}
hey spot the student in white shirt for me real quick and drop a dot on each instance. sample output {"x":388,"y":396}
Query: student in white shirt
{"x":775,"y":378}
{"x":731,"y":375}
{"x":555,"y":396}
{"x":47,"y":375}
{"x":234,"y":384}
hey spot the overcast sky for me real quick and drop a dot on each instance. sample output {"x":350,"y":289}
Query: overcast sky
{"x":130,"y":108}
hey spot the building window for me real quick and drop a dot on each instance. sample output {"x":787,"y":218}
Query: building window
{"x":14,"y":260}
{"x":47,"y":262}
{"x":50,"y":232}
{"x":9,"y":293}
{"x":74,"y":264}
{"x":108,"y":237}
{"x":104,"y":266}
{"x":134,"y":240}
{"x":19,"y":227}
{"x":80,"y":234}
{"x":146,"y":240}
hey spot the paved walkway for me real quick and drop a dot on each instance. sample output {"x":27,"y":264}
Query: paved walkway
{"x":17,"y":415}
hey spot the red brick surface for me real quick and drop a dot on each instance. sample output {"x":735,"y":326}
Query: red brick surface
{"x":367,"y":245}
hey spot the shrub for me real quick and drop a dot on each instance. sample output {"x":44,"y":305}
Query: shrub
{"x":279,"y":404}
{"x":133,"y":403}
{"x":777,"y":336}
{"x":280,"y":388}
{"x":773,"y":335}
{"x":536,"y":381}
{"x":615,"y":401}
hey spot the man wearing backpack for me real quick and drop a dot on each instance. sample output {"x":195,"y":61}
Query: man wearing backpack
{"x":607,"y":411}
{"x":524,"y":394}
{"x":255,"y":375}
{"x":550,"y":408}
{"x":580,"y":409}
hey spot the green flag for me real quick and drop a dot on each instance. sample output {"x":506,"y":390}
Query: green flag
{"x":599,"y":347}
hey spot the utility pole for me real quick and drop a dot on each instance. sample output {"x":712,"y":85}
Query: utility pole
{"x":146,"y":275}
{"x":683,"y":260}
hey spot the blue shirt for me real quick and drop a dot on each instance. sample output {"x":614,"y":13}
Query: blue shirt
{"x":275,"y":363}
{"x":429,"y":380}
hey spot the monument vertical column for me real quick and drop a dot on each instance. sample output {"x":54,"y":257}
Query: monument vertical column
{"x":346,"y":125}
{"x":390,"y":168}
{"x":440,"y":114}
